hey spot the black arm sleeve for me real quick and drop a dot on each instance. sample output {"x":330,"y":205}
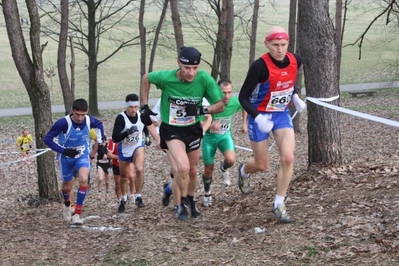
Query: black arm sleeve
{"x":257,"y":73}
{"x":145,"y":130}
{"x":299,"y":62}
{"x":119,"y":125}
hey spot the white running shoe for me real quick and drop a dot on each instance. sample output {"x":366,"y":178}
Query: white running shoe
{"x":226,"y":178}
{"x":76,"y":220}
{"x":207,"y":199}
{"x":66,"y":213}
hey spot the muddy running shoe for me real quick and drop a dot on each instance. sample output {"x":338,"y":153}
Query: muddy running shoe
{"x":76,"y":220}
{"x":66,"y":213}
{"x":226,"y":178}
{"x":166,"y":196}
{"x":207,"y":199}
{"x":182,"y":212}
{"x":139,"y":202}
{"x":243,"y":183}
{"x":195,"y":213}
{"x":281,"y":214}
{"x":122,"y":208}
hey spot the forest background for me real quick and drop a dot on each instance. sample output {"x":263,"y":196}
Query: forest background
{"x":121,"y":74}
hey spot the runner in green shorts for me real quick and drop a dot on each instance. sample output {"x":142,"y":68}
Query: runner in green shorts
{"x":219,"y":136}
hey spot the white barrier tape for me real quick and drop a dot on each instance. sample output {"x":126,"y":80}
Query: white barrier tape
{"x":17,"y":152}
{"x":355,"y":113}
{"x":27,"y":158}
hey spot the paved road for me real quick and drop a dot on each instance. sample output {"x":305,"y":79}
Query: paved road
{"x":121,"y":104}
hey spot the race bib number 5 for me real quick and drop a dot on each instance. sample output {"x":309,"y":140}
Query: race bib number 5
{"x":177,"y":115}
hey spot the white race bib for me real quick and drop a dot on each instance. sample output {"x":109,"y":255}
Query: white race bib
{"x":177,"y":115}
{"x":279,"y":100}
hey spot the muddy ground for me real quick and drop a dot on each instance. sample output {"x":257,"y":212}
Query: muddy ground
{"x":345,"y":215}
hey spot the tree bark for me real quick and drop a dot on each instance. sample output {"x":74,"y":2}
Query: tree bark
{"x":227,"y":25}
{"x":61,"y":58}
{"x":142,"y":31}
{"x":72,"y":66}
{"x":92,"y":53}
{"x":32,"y":75}
{"x":291,"y":48}
{"x":254,"y":28}
{"x":321,"y":80}
{"x":338,"y":35}
{"x":177,"y":25}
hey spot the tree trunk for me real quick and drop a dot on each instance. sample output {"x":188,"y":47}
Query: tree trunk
{"x":32,"y":75}
{"x":291,"y":48}
{"x":254,"y":28}
{"x":142,"y":31}
{"x":320,"y":69}
{"x":177,"y":25}
{"x":338,"y":35}
{"x":156,"y":36}
{"x":227,"y":25}
{"x":72,"y":66}
{"x":93,"y":64}
{"x":61,"y":58}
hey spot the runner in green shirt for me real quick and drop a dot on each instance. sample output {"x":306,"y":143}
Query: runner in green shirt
{"x":180,"y":131}
{"x":219,"y":136}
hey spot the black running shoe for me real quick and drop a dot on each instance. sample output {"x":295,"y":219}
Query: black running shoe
{"x":195,"y":213}
{"x":122,"y":208}
{"x":139,"y":202}
{"x":166,"y":196}
{"x":181,"y":212}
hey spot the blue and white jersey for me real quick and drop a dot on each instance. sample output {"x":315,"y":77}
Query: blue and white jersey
{"x":72,"y":135}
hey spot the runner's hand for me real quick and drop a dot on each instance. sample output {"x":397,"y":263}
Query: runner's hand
{"x":70,"y":152}
{"x":194,"y":110}
{"x":299,"y":104}
{"x":265,"y":123}
{"x":145,"y":114}
{"x":132,"y":129}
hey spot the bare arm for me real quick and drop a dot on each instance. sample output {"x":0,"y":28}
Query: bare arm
{"x":206,"y":123}
{"x":244,"y":127}
{"x":144,"y":90}
{"x":217,"y":107}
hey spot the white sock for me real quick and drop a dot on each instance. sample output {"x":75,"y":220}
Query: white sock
{"x":243,"y":174}
{"x":278,"y":200}
{"x":137,"y":196}
{"x":124,"y":197}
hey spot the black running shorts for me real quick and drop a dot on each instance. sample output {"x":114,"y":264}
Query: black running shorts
{"x":191,"y":135}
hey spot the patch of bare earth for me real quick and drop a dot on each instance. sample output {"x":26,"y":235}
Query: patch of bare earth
{"x":346,"y":215}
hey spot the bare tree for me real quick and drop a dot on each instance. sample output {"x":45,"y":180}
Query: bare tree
{"x":157,"y":33}
{"x":32,"y":75}
{"x":254,"y":29}
{"x":321,"y":80}
{"x":142,"y":31}
{"x":227,"y":32}
{"x":91,"y":21}
{"x":177,"y":25}
{"x":67,"y":91}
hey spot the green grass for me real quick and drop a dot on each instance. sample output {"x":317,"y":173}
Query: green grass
{"x":120,"y":75}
